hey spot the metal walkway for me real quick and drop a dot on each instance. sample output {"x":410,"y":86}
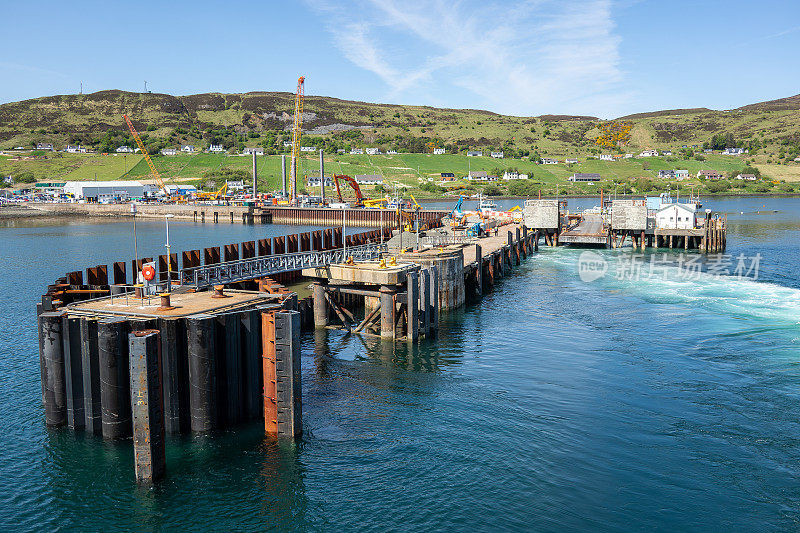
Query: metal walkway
{"x":591,"y":230}
{"x":267,"y":265}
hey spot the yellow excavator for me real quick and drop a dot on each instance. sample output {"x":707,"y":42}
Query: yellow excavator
{"x":216,"y":195}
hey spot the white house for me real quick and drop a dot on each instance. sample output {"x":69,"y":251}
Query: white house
{"x":548,"y":161}
{"x":124,"y":150}
{"x":180,"y":190}
{"x":474,"y":153}
{"x":215,"y":148}
{"x":313,"y":181}
{"x":514,"y":175}
{"x":666,"y":152}
{"x":168,"y":151}
{"x":307,"y":148}
{"x":582,"y":176}
{"x":676,"y":216}
{"x":44,"y":146}
{"x":253,"y":150}
{"x":709,"y":174}
{"x":649,"y":153}
{"x":571,"y":161}
{"x":477,"y":175}
{"x":438,"y":151}
{"x":357,"y":151}
{"x":75,"y":149}
{"x":391,"y":152}
{"x":235,"y":185}
{"x":734,"y":151}
{"x":368,"y":179}
{"x":188,"y":148}
{"x":628,"y":156}
{"x":666,"y":174}
{"x":497,"y":155}
{"x":606,"y":157}
{"x":373,"y":151}
{"x":682,"y":175}
{"x":287,"y":144}
{"x":746,"y":177}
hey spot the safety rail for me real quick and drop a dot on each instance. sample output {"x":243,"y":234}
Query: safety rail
{"x":268,"y":265}
{"x":445,"y":240}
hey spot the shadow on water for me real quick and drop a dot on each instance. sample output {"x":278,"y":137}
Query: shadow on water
{"x":230,"y":479}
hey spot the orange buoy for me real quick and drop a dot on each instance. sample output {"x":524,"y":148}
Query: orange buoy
{"x":148,"y":272}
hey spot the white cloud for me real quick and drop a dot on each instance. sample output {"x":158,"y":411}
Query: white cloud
{"x":522,"y":58}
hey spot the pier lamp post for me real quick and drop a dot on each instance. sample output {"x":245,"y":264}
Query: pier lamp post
{"x":169,"y":257}
{"x":135,"y":247}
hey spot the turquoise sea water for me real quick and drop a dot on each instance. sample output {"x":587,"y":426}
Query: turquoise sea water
{"x":552,"y":404}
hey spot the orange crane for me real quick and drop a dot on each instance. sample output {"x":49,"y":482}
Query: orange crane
{"x":296,"y":131}
{"x":140,"y":144}
{"x":354,"y":184}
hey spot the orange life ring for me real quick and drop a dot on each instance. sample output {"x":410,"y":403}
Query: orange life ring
{"x":148,"y":272}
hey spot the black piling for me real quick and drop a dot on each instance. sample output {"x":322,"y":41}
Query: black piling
{"x":55,"y":394}
{"x":202,"y":372}
{"x":175,"y":374}
{"x":115,"y":398}
{"x":253,"y":364}
{"x":90,"y":367}
{"x":71,"y":334}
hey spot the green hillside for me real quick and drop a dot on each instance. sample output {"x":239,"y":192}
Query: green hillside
{"x":770,"y":130}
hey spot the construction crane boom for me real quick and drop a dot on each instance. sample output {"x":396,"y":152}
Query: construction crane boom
{"x":296,"y":131}
{"x":354,"y":184}
{"x":140,"y":144}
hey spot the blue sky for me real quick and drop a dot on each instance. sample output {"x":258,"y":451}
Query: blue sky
{"x":595,"y":57}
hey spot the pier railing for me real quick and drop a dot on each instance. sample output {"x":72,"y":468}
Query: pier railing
{"x":258,"y":267}
{"x":444,"y":240}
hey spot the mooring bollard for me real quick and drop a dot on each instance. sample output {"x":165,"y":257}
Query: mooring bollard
{"x":147,"y":405}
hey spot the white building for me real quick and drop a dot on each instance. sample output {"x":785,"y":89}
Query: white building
{"x":666,"y":174}
{"x":235,"y":185}
{"x":514,"y":175}
{"x":253,"y":150}
{"x":734,"y":151}
{"x":666,"y":152}
{"x":474,"y":153}
{"x":75,"y":149}
{"x":307,"y":148}
{"x":373,"y":151}
{"x":747,"y":177}
{"x":606,"y":157}
{"x":44,"y":146}
{"x":391,"y":152}
{"x":477,"y":175}
{"x":497,"y":155}
{"x":681,"y":175}
{"x":571,"y":161}
{"x":649,"y":153}
{"x":357,"y":151}
{"x":628,"y":156}
{"x":676,"y":216}
{"x":585,"y":177}
{"x":124,"y":150}
{"x":548,"y":161}
{"x":438,"y":151}
{"x":216,"y":148}
{"x":104,"y":191}
{"x":168,"y":151}
{"x":368,"y":179}
{"x":288,"y":144}
{"x":313,"y":181}
{"x":188,"y":148}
